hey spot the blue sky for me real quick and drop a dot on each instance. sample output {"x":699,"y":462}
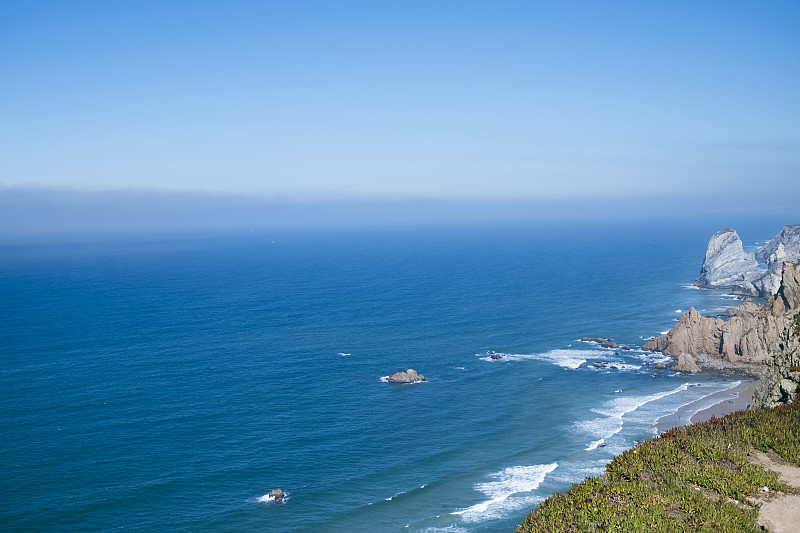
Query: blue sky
{"x":398,"y":100}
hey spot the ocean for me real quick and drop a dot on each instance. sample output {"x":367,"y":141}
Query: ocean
{"x":169,"y":384}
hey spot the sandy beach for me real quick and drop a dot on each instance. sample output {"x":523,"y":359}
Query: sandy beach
{"x":726,"y":405}
{"x":716,"y":405}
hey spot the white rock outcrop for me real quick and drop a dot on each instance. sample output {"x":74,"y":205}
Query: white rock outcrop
{"x":789,"y":237}
{"x":727,"y":264}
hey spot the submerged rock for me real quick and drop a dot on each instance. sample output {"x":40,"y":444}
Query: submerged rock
{"x":409,"y":376}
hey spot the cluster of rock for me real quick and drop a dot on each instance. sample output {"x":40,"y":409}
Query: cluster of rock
{"x":742,"y":343}
{"x":728,"y":266}
{"x":604,"y":342}
{"x":780,"y":381}
{"x":409,"y":376}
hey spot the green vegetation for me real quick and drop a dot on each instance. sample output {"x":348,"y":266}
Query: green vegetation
{"x":694,"y":478}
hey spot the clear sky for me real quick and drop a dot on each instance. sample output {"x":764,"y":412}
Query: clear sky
{"x":405,"y":99}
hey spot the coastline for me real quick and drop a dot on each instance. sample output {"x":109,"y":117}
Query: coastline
{"x":727,"y":405}
{"x":715,"y":405}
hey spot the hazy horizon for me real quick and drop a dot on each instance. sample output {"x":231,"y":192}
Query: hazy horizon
{"x":32,"y":214}
{"x":377,"y":113}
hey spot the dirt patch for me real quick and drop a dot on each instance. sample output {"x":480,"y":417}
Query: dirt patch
{"x":780,"y":513}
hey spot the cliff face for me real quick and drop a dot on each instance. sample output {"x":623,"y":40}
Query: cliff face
{"x":727,"y":265}
{"x":745,"y":342}
{"x":780,"y":381}
{"x":788,"y":238}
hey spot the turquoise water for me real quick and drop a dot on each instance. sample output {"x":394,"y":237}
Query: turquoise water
{"x":170,"y":385}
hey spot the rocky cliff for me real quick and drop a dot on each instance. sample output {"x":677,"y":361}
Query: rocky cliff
{"x":780,"y":380}
{"x":789,"y":238}
{"x":727,"y":265}
{"x":742,"y":343}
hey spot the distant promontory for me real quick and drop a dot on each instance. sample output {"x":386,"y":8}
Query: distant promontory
{"x":728,"y":266}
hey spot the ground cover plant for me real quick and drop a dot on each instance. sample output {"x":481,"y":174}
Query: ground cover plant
{"x":694,"y":478}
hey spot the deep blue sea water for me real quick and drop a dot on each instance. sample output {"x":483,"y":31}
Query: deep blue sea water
{"x":169,"y":385}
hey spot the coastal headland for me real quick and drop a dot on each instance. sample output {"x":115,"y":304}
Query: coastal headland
{"x":735,"y":464}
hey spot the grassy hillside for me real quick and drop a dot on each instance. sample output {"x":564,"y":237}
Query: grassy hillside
{"x":694,"y":478}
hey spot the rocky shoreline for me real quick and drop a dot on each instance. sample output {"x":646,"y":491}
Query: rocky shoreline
{"x":746,"y":342}
{"x":756,"y":340}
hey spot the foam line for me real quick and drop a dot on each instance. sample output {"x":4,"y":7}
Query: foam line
{"x":512,"y":480}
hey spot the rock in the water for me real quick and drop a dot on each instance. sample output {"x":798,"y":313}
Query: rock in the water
{"x":626,"y":347}
{"x":409,"y":376}
{"x":661,"y":366}
{"x":727,"y":264}
{"x":685,"y":363}
{"x":277,"y":495}
{"x":609,"y":344}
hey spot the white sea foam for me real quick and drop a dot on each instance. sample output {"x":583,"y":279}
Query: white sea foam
{"x":511,"y":481}
{"x":614,"y":366}
{"x":703,"y":396}
{"x":596,"y":444}
{"x":613,"y":412}
{"x":266,"y":498}
{"x":565,"y":358}
{"x":695,"y":287}
{"x":678,"y":311}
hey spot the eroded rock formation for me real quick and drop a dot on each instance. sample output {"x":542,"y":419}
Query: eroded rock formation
{"x":728,"y":266}
{"x":742,"y":343}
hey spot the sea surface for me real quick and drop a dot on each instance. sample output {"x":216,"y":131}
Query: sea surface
{"x":168,"y":384}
